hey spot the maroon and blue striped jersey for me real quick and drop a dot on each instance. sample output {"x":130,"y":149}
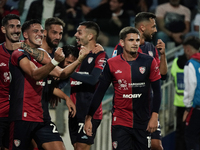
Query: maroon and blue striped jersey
{"x":25,"y":92}
{"x":4,"y":81}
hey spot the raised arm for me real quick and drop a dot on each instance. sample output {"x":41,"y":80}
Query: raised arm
{"x":39,"y":73}
{"x":39,"y":54}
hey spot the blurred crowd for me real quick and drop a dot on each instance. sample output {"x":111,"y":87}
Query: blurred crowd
{"x":176,"y":19}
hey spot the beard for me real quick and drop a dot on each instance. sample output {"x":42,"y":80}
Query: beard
{"x":10,"y":39}
{"x":147,"y":37}
{"x":50,"y":43}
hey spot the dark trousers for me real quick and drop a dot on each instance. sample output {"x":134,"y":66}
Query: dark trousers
{"x":180,"y":129}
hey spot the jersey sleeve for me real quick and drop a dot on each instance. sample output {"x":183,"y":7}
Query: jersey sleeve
{"x":101,"y":61}
{"x":118,"y":50}
{"x":155,"y":72}
{"x":16,"y":56}
{"x":190,"y":82}
{"x":104,"y":82}
{"x":157,"y":57}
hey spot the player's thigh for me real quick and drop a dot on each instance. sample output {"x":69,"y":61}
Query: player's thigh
{"x":55,"y":145}
{"x":142,"y":139}
{"x":121,"y":138}
{"x":21,"y":134}
{"x":48,"y":135}
{"x":77,"y":133}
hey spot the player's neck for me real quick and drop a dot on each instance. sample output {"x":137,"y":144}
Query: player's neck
{"x":46,"y":47}
{"x":129,"y":56}
{"x":8,"y":45}
{"x":91,"y":45}
{"x":142,"y":40}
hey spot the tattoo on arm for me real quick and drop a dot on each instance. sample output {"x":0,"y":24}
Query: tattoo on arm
{"x":36,"y":53}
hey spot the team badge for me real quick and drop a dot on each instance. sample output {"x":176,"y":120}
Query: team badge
{"x":150,"y":53}
{"x":17,"y":142}
{"x":142,"y":70}
{"x":114,"y":144}
{"x":90,"y":59}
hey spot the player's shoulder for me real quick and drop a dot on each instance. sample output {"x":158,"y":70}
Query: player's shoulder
{"x":145,"y":56}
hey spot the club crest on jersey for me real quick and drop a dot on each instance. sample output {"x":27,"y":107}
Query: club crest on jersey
{"x":17,"y":142}
{"x":90,"y":59}
{"x":114,"y":144}
{"x":150,"y":53}
{"x":142,"y":70}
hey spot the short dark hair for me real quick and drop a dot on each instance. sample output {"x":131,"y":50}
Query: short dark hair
{"x":67,"y":50}
{"x":28,"y":23}
{"x":91,"y":25}
{"x":70,"y":49}
{"x":143,"y":16}
{"x":127,"y":30}
{"x":4,"y":21}
{"x":192,"y":41}
{"x":53,"y":20}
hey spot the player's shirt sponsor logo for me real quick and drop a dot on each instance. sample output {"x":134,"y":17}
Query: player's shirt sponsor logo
{"x":141,"y":84}
{"x":2,"y":64}
{"x":102,"y":62}
{"x":122,"y":84}
{"x":132,"y":95}
{"x":118,"y":71}
{"x":41,"y":83}
{"x":76,"y":83}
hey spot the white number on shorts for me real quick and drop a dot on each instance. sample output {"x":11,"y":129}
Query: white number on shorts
{"x":54,"y":128}
{"x":81,"y":126}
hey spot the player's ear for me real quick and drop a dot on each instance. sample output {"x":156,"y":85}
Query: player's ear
{"x":122,"y":42}
{"x":25,"y":35}
{"x":3,"y":29}
{"x":45,"y":33}
{"x":142,"y":27}
{"x":90,"y":36}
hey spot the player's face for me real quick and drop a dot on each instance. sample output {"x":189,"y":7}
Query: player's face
{"x":70,"y":59}
{"x":150,"y":29}
{"x":174,"y":2}
{"x":34,"y":35}
{"x":12,"y":30}
{"x":54,"y":35}
{"x":131,"y":43}
{"x":82,"y":36}
{"x":115,"y":5}
{"x":72,"y":3}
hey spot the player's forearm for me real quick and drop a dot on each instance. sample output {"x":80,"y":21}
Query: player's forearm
{"x":59,"y":93}
{"x":163,"y":64}
{"x":42,"y":72}
{"x":67,"y":71}
{"x":40,"y":55}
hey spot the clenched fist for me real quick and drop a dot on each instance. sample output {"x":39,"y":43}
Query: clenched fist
{"x":59,"y":55}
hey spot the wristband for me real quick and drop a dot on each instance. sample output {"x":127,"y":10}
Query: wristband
{"x":54,"y":62}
